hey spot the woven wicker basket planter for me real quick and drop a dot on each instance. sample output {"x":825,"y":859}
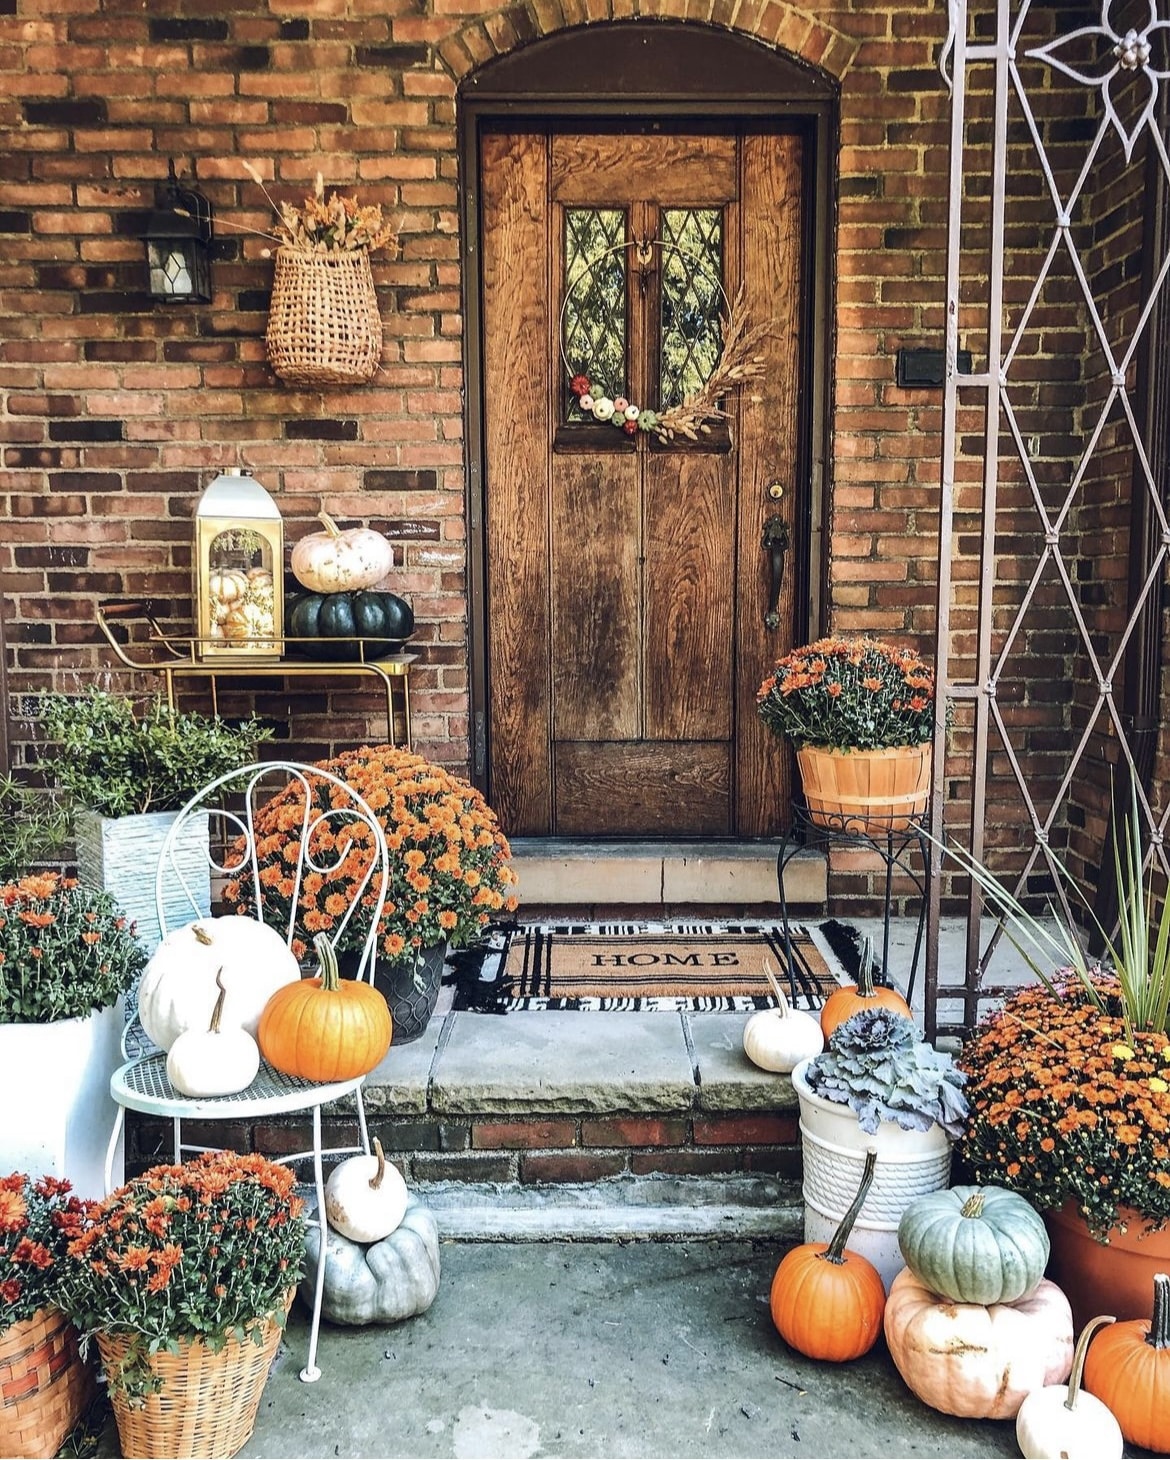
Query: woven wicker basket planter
{"x":868,"y":792}
{"x":323,"y":323}
{"x":208,"y":1402}
{"x":45,"y":1387}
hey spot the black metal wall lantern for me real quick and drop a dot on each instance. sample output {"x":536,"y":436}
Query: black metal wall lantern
{"x":178,"y":245}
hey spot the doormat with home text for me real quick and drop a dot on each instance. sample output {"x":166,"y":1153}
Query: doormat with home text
{"x":641,"y":967}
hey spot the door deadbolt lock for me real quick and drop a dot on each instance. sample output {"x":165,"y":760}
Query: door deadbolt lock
{"x":775,"y":490}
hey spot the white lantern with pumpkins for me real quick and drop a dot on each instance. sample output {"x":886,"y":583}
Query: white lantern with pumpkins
{"x":238,"y":570}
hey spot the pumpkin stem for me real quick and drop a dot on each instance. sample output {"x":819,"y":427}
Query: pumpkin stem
{"x":376,"y":1179}
{"x":865,"y":988}
{"x":1159,"y":1334}
{"x":217,"y":1012}
{"x":202,"y":935}
{"x":331,"y":527}
{"x":1078,"y":1363}
{"x":835,"y":1252}
{"x":777,"y":991}
{"x":973,"y":1206}
{"x":327,"y":959}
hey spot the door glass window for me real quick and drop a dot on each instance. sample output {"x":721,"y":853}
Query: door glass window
{"x":691,"y":335}
{"x":595,"y":325}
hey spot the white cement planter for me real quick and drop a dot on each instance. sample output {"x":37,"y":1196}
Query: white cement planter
{"x":55,"y":1092}
{"x":834,"y":1147}
{"x":119,"y":854}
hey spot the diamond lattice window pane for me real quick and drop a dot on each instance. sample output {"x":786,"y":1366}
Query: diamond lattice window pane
{"x":595,"y":322}
{"x":692,"y":301}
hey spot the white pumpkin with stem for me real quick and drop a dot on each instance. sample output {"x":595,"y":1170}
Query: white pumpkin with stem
{"x":215,"y":1060}
{"x":365,"y":1197}
{"x":341,"y":560}
{"x":178,"y":987}
{"x":1066,"y":1422}
{"x":778,"y":1039}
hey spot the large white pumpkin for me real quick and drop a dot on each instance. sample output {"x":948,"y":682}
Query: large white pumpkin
{"x":178,"y":989}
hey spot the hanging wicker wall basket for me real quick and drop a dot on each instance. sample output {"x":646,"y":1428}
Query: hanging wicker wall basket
{"x":323,"y":323}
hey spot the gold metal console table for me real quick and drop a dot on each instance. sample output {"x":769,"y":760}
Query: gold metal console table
{"x":178,"y":660}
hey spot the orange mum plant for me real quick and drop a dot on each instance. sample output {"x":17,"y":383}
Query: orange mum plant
{"x":207,"y":1249}
{"x":449,"y":860}
{"x":849,"y":694}
{"x":38,"y":1219}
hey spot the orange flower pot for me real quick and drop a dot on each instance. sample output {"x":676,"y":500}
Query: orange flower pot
{"x":866,"y":792}
{"x":1106,"y":1277}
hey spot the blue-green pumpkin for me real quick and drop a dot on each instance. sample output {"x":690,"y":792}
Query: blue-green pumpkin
{"x":975,"y":1244}
{"x":348,"y":626}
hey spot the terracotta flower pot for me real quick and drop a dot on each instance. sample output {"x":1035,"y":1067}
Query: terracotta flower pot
{"x":1106,"y":1277}
{"x":869,"y":792}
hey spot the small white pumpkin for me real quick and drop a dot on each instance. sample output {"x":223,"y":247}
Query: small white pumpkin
{"x":778,"y":1039}
{"x":215,"y":1060}
{"x":341,"y":560}
{"x":365,"y":1197}
{"x":178,"y":987}
{"x":1066,"y":1422}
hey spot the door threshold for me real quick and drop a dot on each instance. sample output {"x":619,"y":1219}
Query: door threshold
{"x":558,"y":871}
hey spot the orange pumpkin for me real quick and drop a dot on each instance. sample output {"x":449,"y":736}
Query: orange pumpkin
{"x":826,"y":1301}
{"x":854,"y":998}
{"x":1128,"y":1369}
{"x":325,"y":1028}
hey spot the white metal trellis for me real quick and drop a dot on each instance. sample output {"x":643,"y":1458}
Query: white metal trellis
{"x":1123,"y":59}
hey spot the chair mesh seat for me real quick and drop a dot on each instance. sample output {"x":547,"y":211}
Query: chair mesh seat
{"x":143,"y":1085}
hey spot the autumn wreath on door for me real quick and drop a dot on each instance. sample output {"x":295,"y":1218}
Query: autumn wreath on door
{"x":860,"y":713}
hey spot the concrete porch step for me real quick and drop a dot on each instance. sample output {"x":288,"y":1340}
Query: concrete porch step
{"x":555,"y":870}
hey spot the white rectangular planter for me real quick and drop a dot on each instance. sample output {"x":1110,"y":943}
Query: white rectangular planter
{"x":55,"y":1092}
{"x":120,"y":854}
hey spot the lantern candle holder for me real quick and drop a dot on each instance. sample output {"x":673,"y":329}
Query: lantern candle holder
{"x":238,"y":571}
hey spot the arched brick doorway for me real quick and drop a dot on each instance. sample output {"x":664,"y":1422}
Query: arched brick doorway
{"x":620,"y":589}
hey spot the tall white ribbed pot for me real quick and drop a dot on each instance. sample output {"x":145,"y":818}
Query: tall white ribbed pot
{"x":119,"y":855}
{"x":833,"y":1145}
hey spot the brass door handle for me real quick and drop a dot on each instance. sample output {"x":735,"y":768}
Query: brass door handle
{"x":775,"y":543}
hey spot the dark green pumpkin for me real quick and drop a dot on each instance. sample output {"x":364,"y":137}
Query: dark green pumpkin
{"x":341,"y":626}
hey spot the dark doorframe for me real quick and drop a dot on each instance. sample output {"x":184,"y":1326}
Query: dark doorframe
{"x":645,"y":73}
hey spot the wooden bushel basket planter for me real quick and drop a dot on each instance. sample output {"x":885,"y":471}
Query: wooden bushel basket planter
{"x":323,"y":322}
{"x":208,"y":1402}
{"x":45,"y":1387}
{"x":866,"y":792}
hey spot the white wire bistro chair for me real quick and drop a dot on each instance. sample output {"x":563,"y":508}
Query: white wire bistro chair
{"x":141,"y":1083}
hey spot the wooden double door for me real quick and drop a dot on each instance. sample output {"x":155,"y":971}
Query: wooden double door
{"x":637,"y":590}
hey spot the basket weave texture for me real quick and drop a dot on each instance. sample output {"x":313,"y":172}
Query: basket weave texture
{"x":323,"y":322}
{"x":870,"y":792}
{"x":208,"y":1402}
{"x":45,"y":1387}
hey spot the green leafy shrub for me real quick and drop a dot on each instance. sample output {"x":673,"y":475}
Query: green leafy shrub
{"x":117,"y":763}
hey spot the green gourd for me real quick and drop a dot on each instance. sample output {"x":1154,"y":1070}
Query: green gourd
{"x":974,"y":1244}
{"x":332,"y":624}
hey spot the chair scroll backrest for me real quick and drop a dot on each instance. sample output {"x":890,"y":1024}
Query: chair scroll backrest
{"x":231,"y":805}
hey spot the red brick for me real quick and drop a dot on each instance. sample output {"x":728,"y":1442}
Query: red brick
{"x":522,"y":1135}
{"x":745,"y":1130}
{"x":634,"y":1130}
{"x":569,"y":1167}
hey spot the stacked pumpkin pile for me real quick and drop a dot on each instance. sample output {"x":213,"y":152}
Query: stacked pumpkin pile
{"x":971,"y":1323}
{"x":341,"y":616}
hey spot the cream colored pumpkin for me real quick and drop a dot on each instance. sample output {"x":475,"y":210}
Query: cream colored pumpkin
{"x":365,"y":1197}
{"x":778,"y":1039}
{"x":1066,"y":1422}
{"x":215,"y":1060}
{"x":341,"y":560}
{"x":228,"y":585}
{"x":178,"y":988}
{"x":977,"y":1362}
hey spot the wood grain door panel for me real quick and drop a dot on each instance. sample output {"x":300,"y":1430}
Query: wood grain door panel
{"x":626,"y":582}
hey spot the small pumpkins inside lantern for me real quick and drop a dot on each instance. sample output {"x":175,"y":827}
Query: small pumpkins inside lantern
{"x":238,"y":571}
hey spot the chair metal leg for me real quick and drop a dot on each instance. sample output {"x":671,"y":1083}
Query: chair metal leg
{"x":311,"y":1373}
{"x":112,"y":1148}
{"x":361,"y":1115}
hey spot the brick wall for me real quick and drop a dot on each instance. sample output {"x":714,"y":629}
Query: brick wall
{"x":115,"y":412}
